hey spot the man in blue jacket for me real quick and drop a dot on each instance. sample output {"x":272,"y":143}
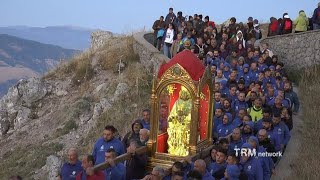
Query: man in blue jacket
{"x":71,"y":168}
{"x":240,"y":102}
{"x":292,"y":96}
{"x":274,"y":137}
{"x":226,"y":127}
{"x":217,"y":120}
{"x":106,"y":142}
{"x":235,"y":140}
{"x":266,"y":162}
{"x":115,"y":171}
{"x":281,"y":129}
{"x":251,"y":164}
{"x":146,"y":119}
{"x":218,"y":167}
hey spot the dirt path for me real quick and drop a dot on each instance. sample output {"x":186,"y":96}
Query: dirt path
{"x":284,"y":168}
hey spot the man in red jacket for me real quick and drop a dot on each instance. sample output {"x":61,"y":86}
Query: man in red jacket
{"x":88,"y":173}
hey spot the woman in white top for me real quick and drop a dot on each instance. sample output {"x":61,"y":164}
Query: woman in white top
{"x":168,"y":40}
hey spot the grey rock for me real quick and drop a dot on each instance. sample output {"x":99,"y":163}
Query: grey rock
{"x":101,"y":107}
{"x":121,"y":90}
{"x":99,"y":38}
{"x":22,"y":117}
{"x":100,"y":88}
{"x":53,"y":164}
{"x":32,"y":90}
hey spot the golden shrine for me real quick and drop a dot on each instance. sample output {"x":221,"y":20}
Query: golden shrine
{"x":182,"y":110}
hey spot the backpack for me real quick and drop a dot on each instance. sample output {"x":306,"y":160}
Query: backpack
{"x":160,"y":33}
{"x":287,"y":25}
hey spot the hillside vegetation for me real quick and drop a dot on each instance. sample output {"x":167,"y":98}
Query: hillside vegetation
{"x":306,"y":163}
{"x":91,"y":94}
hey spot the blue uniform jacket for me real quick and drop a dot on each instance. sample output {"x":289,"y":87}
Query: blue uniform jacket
{"x":253,"y":169}
{"x":275,"y":139}
{"x":225,"y":129}
{"x":283,"y":131}
{"x":70,"y":171}
{"x":117,"y":172}
{"x":101,"y":146}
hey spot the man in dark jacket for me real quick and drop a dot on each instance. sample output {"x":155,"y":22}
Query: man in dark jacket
{"x":134,"y":134}
{"x":171,"y":17}
{"x":136,"y":166}
{"x":266,"y":143}
{"x":316,"y":18}
{"x":158,"y":25}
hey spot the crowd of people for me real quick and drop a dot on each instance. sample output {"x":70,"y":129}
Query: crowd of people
{"x":253,"y":106}
{"x":254,"y":103}
{"x":171,"y":32}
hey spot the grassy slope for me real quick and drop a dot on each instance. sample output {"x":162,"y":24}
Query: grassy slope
{"x":25,"y":152}
{"x":306,"y":165}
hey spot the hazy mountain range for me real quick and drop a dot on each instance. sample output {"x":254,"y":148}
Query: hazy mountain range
{"x":65,"y":36}
{"x":21,"y":58}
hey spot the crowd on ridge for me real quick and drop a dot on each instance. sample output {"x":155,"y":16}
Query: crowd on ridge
{"x":254,"y":103}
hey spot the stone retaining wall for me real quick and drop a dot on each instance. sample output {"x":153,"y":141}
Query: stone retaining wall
{"x":297,"y":51}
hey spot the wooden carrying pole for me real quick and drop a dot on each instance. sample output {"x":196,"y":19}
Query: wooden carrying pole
{"x":120,"y":158}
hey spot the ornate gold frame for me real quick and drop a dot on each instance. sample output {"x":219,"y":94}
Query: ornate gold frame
{"x":177,"y":74}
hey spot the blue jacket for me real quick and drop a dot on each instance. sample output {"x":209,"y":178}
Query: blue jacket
{"x":235,"y":144}
{"x":262,"y":67}
{"x":233,"y":172}
{"x":258,"y":125}
{"x":233,"y":98}
{"x":237,"y":122}
{"x":214,"y":167}
{"x":225,"y":129}
{"x":266,"y":164}
{"x":145,"y":125}
{"x":207,"y":176}
{"x":253,"y":75}
{"x":283,"y":131}
{"x":266,"y":80}
{"x":293,"y":97}
{"x":216,"y":122}
{"x":253,"y":169}
{"x":247,"y":78}
{"x":117,"y":172}
{"x":237,"y":105}
{"x":101,"y":146}
{"x":216,"y":105}
{"x":70,"y":171}
{"x":275,"y":139}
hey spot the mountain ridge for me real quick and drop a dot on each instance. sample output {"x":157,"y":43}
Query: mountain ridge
{"x":70,"y":37}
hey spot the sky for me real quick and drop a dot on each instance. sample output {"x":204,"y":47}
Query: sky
{"x":125,"y":16}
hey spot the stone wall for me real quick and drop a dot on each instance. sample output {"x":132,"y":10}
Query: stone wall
{"x":150,"y":57}
{"x":297,"y":51}
{"x":98,"y":38}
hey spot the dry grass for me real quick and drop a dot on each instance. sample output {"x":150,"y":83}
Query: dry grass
{"x":114,"y":51}
{"x":126,"y":109}
{"x":25,"y":164}
{"x":79,"y":68}
{"x":307,"y":165}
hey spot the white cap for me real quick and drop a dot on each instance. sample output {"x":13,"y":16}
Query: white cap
{"x":286,"y":16}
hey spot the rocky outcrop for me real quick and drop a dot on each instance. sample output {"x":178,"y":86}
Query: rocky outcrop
{"x":297,"y":50}
{"x":53,"y":165}
{"x":99,"y":38}
{"x":17,"y":104}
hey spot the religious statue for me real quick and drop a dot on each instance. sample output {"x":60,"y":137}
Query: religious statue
{"x":179,"y":124}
